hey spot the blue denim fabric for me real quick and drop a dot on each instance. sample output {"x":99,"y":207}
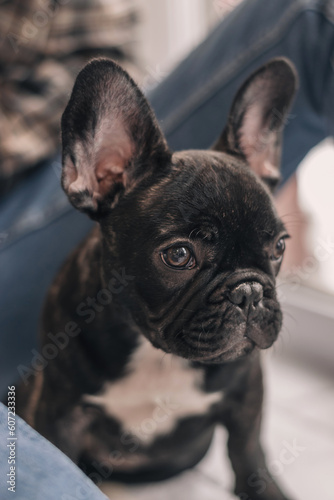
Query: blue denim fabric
{"x":42,"y":472}
{"x":38,"y":227}
{"x":193,"y":102}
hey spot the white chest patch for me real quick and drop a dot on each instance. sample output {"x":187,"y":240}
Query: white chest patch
{"x":159,"y":389}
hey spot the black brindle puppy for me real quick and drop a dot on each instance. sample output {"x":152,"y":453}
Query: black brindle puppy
{"x":158,"y":318}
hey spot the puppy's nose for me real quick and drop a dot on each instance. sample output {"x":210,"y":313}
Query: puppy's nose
{"x":246,"y":294}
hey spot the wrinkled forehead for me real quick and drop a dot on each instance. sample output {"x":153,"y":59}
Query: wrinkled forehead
{"x":213,"y":179}
{"x":210,"y":189}
{"x":212,"y":171}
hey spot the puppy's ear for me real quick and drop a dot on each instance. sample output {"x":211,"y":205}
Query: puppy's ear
{"x":110,"y":137}
{"x":257,"y":118}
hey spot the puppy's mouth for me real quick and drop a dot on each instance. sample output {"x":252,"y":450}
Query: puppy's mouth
{"x":235,"y":341}
{"x":239,"y":350}
{"x":223,"y":327}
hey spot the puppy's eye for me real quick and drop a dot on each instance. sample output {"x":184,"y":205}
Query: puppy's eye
{"x":279,"y":249}
{"x":178,"y":257}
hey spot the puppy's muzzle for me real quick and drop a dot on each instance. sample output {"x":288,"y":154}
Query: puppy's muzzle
{"x":250,"y":296}
{"x":246,"y":295}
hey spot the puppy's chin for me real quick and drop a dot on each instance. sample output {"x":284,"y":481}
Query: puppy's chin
{"x":232,"y":353}
{"x":242,"y":349}
{"x":250,"y":338}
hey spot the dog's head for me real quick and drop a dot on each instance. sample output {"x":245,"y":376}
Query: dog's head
{"x":197,"y":229}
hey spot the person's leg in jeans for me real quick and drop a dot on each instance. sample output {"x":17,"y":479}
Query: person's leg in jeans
{"x":192,"y":104}
{"x":41,"y":471}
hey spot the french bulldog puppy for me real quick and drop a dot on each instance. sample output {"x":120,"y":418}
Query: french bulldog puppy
{"x":157,"y":320}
